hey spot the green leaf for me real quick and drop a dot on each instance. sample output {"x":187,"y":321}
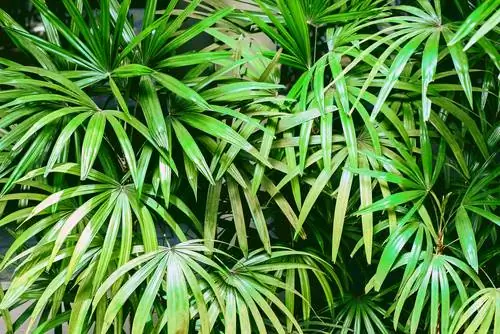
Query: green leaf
{"x":396,"y":69}
{"x":178,"y":299}
{"x":490,"y":24}
{"x":317,"y":187}
{"x":198,"y":295}
{"x":77,"y":43}
{"x":108,"y":244}
{"x":12,"y":28}
{"x":191,"y":174}
{"x":123,"y":29}
{"x":396,"y":242}
{"x":445,"y":298}
{"x":76,"y":217}
{"x":92,"y":142}
{"x":152,"y":257}
{"x":451,"y":140}
{"x":126,"y":145}
{"x":63,"y":139}
{"x":149,"y":13}
{"x":478,"y":15}
{"x":211,"y":210}
{"x":230,"y":313}
{"x":419,"y":301}
{"x":238,"y":214}
{"x":127,"y":289}
{"x":463,"y":115}
{"x":340,"y":210}
{"x":195,"y":59}
{"x":196,"y":29}
{"x":478,"y":312}
{"x":55,"y":322}
{"x":143,"y":130}
{"x":393,"y":200}
{"x":365,"y":189}
{"x":318,"y":84}
{"x":265,"y":148}
{"x":484,"y":213}
{"x":180,"y":89}
{"x":220,"y":130}
{"x":461,"y":63}
{"x":72,"y":169}
{"x":143,"y":312}
{"x":46,"y":120}
{"x":34,"y":153}
{"x":29,"y":233}
{"x":334,"y":60}
{"x":118,"y":95}
{"x":150,"y":104}
{"x":165,"y":175}
{"x":466,"y":237}
{"x":89,"y":233}
{"x":429,"y":64}
{"x":258,"y":218}
{"x":434,"y":299}
{"x":191,"y":149}
{"x":82,"y":305}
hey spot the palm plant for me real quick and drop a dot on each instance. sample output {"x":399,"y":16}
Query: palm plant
{"x":367,"y":126}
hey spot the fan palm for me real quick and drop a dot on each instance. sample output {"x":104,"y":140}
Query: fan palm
{"x":234,"y":187}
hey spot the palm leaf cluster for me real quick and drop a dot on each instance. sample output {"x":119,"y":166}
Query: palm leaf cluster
{"x":341,"y":176}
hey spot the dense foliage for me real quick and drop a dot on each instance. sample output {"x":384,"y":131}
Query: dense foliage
{"x":342,"y":178}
